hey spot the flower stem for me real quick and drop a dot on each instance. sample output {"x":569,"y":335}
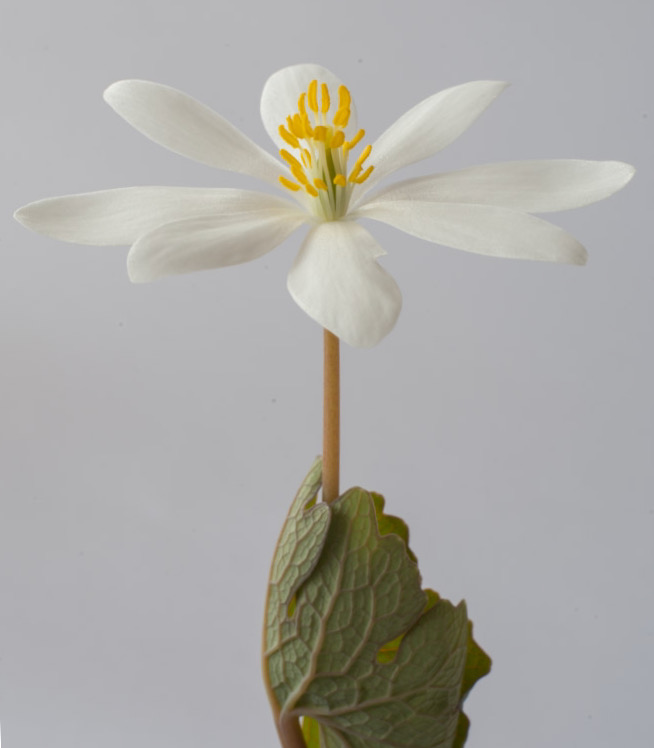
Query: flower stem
{"x":331,"y":418}
{"x":288,"y":727}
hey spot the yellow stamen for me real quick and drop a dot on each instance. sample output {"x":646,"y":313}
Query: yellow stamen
{"x":318,"y":159}
{"x":342,"y":117}
{"x":298,"y":126}
{"x":299,"y":175}
{"x":337,"y":139}
{"x":290,"y":139}
{"x":290,"y":159}
{"x":364,"y":154}
{"x":324,"y":91}
{"x":313,"y":96}
{"x":289,"y":185}
{"x":356,"y":170}
{"x":344,"y":98}
{"x":365,"y":175}
{"x":307,"y":125}
{"x":290,"y":123}
{"x":352,"y":143}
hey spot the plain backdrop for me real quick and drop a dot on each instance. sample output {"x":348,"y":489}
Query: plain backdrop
{"x":152,"y":437}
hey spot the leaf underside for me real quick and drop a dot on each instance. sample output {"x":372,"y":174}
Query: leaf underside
{"x":352,"y":642}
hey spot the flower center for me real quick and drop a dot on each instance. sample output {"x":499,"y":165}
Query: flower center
{"x":320,"y":164}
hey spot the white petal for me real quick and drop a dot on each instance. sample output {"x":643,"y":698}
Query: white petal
{"x":529,"y":186}
{"x":180,"y":123}
{"x":429,"y":127}
{"x":337,"y":281}
{"x":209,"y":242}
{"x":281,"y":93}
{"x":120,"y":216}
{"x":482,"y":229}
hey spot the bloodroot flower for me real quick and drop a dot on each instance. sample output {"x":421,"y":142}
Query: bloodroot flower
{"x":326,"y":170}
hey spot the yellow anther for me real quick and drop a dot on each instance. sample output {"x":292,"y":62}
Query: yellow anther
{"x":289,"y":185}
{"x":319,"y":150}
{"x":351,"y":143}
{"x":290,"y":159}
{"x":313,"y":96}
{"x":299,"y":174}
{"x":342,"y":117}
{"x":356,"y":170}
{"x":290,"y":139}
{"x":298,"y":126}
{"x":365,"y":175}
{"x":307,"y":125}
{"x":364,"y":155}
{"x":344,"y":98}
{"x":337,"y":139}
{"x":290,"y":123}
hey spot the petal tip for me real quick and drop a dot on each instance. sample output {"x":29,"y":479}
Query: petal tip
{"x":110,"y":91}
{"x":628,"y":171}
{"x":620,"y":172}
{"x":135,"y":272}
{"x":619,"y":175}
{"x":25,"y":216}
{"x":136,"y":278}
{"x":498,"y":86}
{"x":580,"y":258}
{"x":19,"y":215}
{"x":113,"y":92}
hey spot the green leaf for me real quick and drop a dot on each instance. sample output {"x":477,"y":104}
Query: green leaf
{"x":298,"y":550}
{"x":366,"y":656}
{"x":478,"y":664}
{"x":387,"y":523}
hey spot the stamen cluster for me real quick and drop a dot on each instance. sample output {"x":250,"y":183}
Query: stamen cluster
{"x":320,"y":166}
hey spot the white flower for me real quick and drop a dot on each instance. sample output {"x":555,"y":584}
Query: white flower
{"x":336,"y":278}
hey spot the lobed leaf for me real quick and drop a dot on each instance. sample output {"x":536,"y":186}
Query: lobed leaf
{"x":353,"y":644}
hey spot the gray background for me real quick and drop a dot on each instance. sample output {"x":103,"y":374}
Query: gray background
{"x":152,"y":436}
